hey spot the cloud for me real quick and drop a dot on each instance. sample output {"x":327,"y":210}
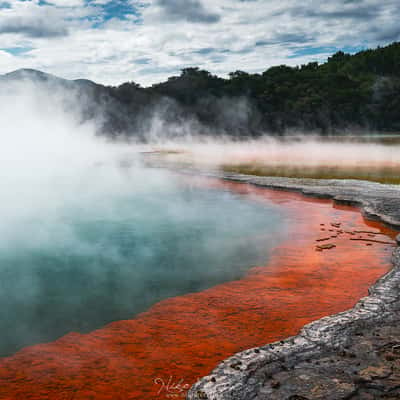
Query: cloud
{"x":189,"y":10}
{"x":354,"y":11}
{"x":33,"y":27}
{"x":388,"y":33}
{"x":66,"y":3}
{"x":285,"y":38}
{"x":112,"y":41}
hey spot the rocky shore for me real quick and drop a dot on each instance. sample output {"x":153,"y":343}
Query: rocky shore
{"x":351,"y":355}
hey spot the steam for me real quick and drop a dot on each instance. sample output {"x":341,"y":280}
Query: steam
{"x":44,"y":151}
{"x":51,"y":153}
{"x":89,"y":235}
{"x":299,"y":150}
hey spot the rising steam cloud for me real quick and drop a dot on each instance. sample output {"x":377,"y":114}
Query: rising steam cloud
{"x":89,"y":235}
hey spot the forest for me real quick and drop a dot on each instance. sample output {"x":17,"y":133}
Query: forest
{"x":347,"y":93}
{"x":357,"y":92}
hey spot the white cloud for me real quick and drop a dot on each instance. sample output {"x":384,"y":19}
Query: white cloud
{"x":67,"y":3}
{"x":219,"y":36}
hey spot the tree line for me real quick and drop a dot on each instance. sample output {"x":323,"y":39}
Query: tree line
{"x":347,"y":92}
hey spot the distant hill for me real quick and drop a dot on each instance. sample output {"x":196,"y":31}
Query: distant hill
{"x":39,"y":76}
{"x":348,"y":92}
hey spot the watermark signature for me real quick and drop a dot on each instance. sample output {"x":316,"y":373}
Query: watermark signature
{"x":172,"y":387}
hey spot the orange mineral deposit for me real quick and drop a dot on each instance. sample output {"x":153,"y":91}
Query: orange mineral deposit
{"x":158,"y":354}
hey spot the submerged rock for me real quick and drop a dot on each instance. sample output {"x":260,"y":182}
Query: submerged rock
{"x":326,"y":246}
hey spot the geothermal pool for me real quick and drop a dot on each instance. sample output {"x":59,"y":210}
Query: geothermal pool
{"x":115,"y":250}
{"x":268,"y":282}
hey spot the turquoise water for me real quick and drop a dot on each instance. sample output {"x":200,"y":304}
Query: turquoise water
{"x":105,"y":247}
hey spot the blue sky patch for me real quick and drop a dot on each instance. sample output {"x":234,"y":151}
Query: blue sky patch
{"x":316,"y":50}
{"x":17,"y":51}
{"x":118,"y":9}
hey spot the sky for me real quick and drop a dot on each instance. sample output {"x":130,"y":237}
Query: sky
{"x":147,"y":41}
